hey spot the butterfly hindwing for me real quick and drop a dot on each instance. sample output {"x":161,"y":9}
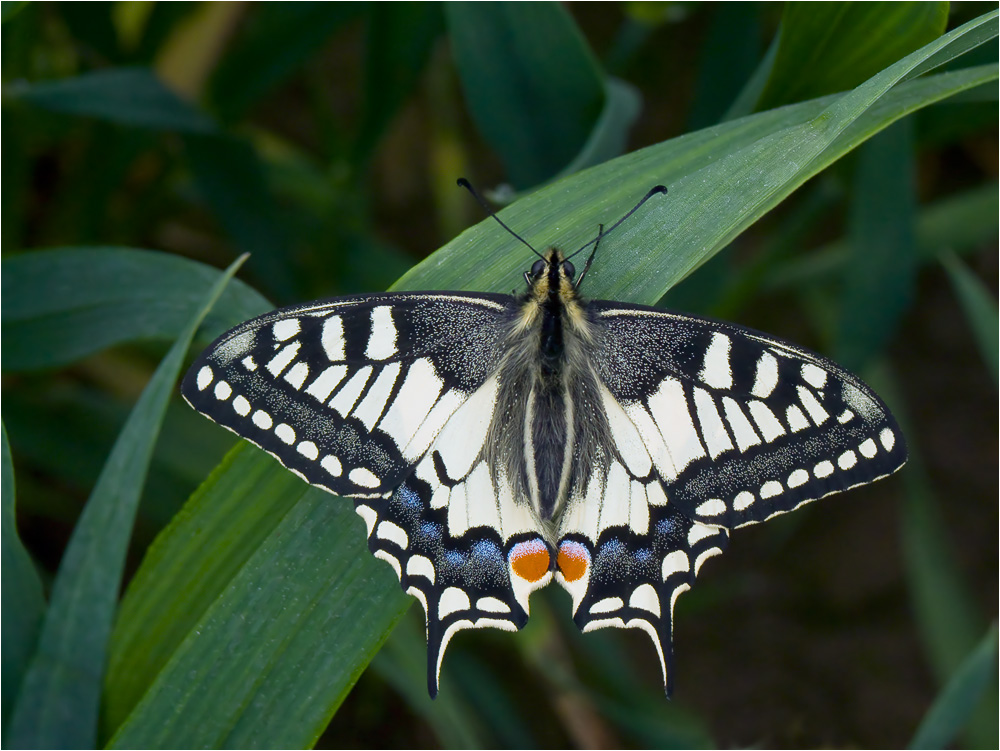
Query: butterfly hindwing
{"x":741,"y":426}
{"x":474,"y":579}
{"x":457,"y":536}
{"x":631,"y":577}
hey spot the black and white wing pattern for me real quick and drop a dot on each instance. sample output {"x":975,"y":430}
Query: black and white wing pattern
{"x":494,"y":443}
{"x":388,"y":399}
{"x":714,"y":427}
{"x":752,"y":426}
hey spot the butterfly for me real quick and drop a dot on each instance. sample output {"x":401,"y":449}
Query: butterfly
{"x":493,"y":443}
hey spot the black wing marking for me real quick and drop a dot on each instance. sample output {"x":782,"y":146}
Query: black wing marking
{"x":741,"y":426}
{"x":630,"y":573}
{"x":349,"y":393}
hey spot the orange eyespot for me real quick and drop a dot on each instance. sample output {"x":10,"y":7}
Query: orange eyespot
{"x":572,"y":560}
{"x":530,"y":559}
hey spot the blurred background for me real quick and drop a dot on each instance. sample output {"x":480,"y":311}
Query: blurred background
{"x":325,"y":139}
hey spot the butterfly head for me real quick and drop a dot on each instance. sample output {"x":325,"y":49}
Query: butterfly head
{"x":552,"y":288}
{"x":551,"y":273}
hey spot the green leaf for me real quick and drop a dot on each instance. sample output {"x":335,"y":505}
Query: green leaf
{"x":721,"y":180}
{"x":248,"y":623}
{"x":746,"y":101}
{"x":236,"y":508}
{"x":730,"y":48}
{"x":64,"y":304}
{"x":960,"y":697}
{"x":58,"y":703}
{"x":832,"y":47}
{"x":23,"y":602}
{"x":231,"y":179}
{"x":980,"y":310}
{"x":880,"y":275}
{"x":220,"y":670}
{"x":530,"y":83}
{"x":278,"y":39}
{"x":400,"y":39}
{"x":65,"y":428}
{"x":126,"y":96}
{"x":609,"y":137}
{"x":962,"y":222}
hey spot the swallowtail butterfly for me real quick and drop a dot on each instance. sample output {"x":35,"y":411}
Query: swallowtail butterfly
{"x":493,"y":443}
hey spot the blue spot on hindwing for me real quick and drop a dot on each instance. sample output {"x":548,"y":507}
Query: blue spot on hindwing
{"x":611,"y":560}
{"x":430,"y":533}
{"x":454,"y":558}
{"x":408,"y":497}
{"x":488,"y":550}
{"x":668,"y":527}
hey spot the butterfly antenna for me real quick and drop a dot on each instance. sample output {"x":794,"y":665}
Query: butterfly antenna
{"x":655,"y":190}
{"x":489,"y":210}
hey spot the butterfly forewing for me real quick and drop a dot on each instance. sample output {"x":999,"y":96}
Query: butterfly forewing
{"x":741,"y":426}
{"x":349,"y":393}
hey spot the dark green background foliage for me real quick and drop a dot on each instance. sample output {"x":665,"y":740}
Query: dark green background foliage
{"x":833,"y":180}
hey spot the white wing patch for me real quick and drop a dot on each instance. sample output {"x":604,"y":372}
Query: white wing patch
{"x":332,"y":339}
{"x":326,"y":382}
{"x":461,"y":440}
{"x":371,"y":407}
{"x":419,"y":391}
{"x":343,"y":402}
{"x":670,"y":410}
{"x":765,"y":376}
{"x":716,"y":370}
{"x":627,"y":440}
{"x":382,"y":341}
{"x":283,"y":359}
{"x":712,"y":427}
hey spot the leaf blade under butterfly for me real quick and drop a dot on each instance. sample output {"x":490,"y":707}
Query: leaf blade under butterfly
{"x":257,"y":681}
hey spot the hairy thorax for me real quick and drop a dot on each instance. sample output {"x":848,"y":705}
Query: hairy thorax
{"x":541,"y":430}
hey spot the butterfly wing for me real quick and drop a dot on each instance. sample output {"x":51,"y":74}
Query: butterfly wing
{"x":349,"y":393}
{"x":742,"y":426}
{"x":387,"y":398}
{"x":711,"y":426}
